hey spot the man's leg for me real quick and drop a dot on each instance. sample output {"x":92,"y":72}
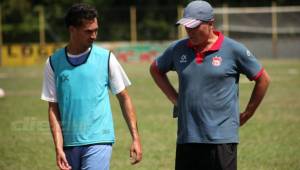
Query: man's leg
{"x":73,"y":156}
{"x":96,"y":157}
{"x":226,"y":156}
{"x":193,"y":156}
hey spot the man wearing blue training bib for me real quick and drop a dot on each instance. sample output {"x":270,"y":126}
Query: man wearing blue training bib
{"x":208,"y":65}
{"x":76,"y":84}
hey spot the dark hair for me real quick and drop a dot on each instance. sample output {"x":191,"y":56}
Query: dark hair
{"x":79,"y":12}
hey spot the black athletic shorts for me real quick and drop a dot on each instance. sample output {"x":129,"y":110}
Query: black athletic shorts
{"x":196,"y":156}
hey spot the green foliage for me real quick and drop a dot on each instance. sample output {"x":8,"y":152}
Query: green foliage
{"x":20,"y":18}
{"x":153,"y":29}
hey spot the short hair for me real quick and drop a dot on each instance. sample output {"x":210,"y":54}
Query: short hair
{"x":79,"y":12}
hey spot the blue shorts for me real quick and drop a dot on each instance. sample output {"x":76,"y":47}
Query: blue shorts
{"x":89,"y":157}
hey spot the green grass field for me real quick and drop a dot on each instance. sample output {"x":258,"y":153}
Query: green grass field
{"x":270,"y":140}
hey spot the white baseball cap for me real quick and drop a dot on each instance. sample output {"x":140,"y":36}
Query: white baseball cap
{"x":195,"y":13}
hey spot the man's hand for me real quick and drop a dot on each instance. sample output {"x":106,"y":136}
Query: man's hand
{"x":54,"y":121}
{"x":258,"y":93}
{"x":163,"y":82}
{"x":135,"y":152}
{"x":61,"y":161}
{"x":243,"y":118}
{"x":130,"y":117}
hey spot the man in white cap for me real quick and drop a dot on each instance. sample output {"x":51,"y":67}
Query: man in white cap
{"x":208,"y":67}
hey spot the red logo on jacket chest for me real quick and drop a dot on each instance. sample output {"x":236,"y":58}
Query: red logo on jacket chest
{"x":216,"y":61}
